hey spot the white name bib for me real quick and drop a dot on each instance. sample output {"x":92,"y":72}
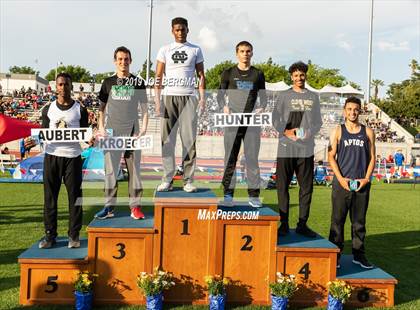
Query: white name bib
{"x":125,"y":143}
{"x":242,"y":119}
{"x":62,"y":134}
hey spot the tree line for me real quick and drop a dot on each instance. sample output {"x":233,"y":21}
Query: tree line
{"x":317,"y":77}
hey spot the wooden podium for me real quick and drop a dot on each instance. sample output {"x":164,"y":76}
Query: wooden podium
{"x":119,"y":249}
{"x":47,"y":275}
{"x":192,"y":236}
{"x":185,"y":244}
{"x":371,"y":287}
{"x":245,"y":253}
{"x":313,"y":261}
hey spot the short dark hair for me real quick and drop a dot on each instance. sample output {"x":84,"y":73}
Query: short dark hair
{"x":64,"y":75}
{"x":179,"y":21}
{"x":121,"y":49}
{"x":298,"y":66}
{"x":243,"y":43}
{"x":353,"y":99}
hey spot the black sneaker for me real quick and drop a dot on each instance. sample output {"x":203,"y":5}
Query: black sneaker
{"x":362,"y":261}
{"x":283,"y":230}
{"x":304,"y":230}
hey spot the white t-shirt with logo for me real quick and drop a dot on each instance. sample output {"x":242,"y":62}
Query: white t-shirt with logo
{"x":180,"y":60}
{"x":64,"y":119}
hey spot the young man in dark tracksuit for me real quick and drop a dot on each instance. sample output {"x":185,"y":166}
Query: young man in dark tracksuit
{"x":297,"y":117}
{"x":243,"y":84}
{"x":352,"y":157}
{"x":63,"y":162}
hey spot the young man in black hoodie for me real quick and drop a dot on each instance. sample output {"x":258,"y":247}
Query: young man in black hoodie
{"x":297,"y":117}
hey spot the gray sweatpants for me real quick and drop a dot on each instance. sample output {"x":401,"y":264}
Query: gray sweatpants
{"x":112,"y":168}
{"x":179,"y":113}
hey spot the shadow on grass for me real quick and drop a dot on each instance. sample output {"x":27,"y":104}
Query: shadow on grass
{"x":22,"y":207}
{"x":28,"y":219}
{"x":399,"y":255}
{"x":9,"y":282}
{"x":10,"y":256}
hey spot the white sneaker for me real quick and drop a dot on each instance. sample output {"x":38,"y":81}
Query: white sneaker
{"x":189,"y":188}
{"x":164,"y":187}
{"x":74,"y":243}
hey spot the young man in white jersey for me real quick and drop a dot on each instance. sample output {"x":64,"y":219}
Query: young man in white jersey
{"x":179,"y":62}
{"x":63,"y":162}
{"x":352,"y":158}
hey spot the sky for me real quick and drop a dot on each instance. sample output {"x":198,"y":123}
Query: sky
{"x":332,"y":34}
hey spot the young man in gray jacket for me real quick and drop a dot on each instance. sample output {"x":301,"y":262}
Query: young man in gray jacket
{"x":297,"y":118}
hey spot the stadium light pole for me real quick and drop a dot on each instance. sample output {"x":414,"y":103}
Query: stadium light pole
{"x":370,"y":53}
{"x":59,"y":63}
{"x":149,"y":46}
{"x":36,"y":66}
{"x":8,"y":76}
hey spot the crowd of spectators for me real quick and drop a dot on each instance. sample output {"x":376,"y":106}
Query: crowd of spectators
{"x":25,"y":104}
{"x":383,"y":131}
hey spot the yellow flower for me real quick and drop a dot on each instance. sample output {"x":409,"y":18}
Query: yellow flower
{"x":225,"y":281}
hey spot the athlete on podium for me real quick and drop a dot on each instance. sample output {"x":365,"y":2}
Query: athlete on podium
{"x":352,"y":157}
{"x":179,"y":61}
{"x":297,"y":118}
{"x":120,"y":97}
{"x":242,"y":84}
{"x":62,"y":162}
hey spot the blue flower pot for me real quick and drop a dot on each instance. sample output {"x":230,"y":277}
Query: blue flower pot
{"x":83,"y":300}
{"x":217,"y":302}
{"x":334,"y":304}
{"x":154,"y":302}
{"x":279,"y":303}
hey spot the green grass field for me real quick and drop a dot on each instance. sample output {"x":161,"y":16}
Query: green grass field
{"x":393,"y":233}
